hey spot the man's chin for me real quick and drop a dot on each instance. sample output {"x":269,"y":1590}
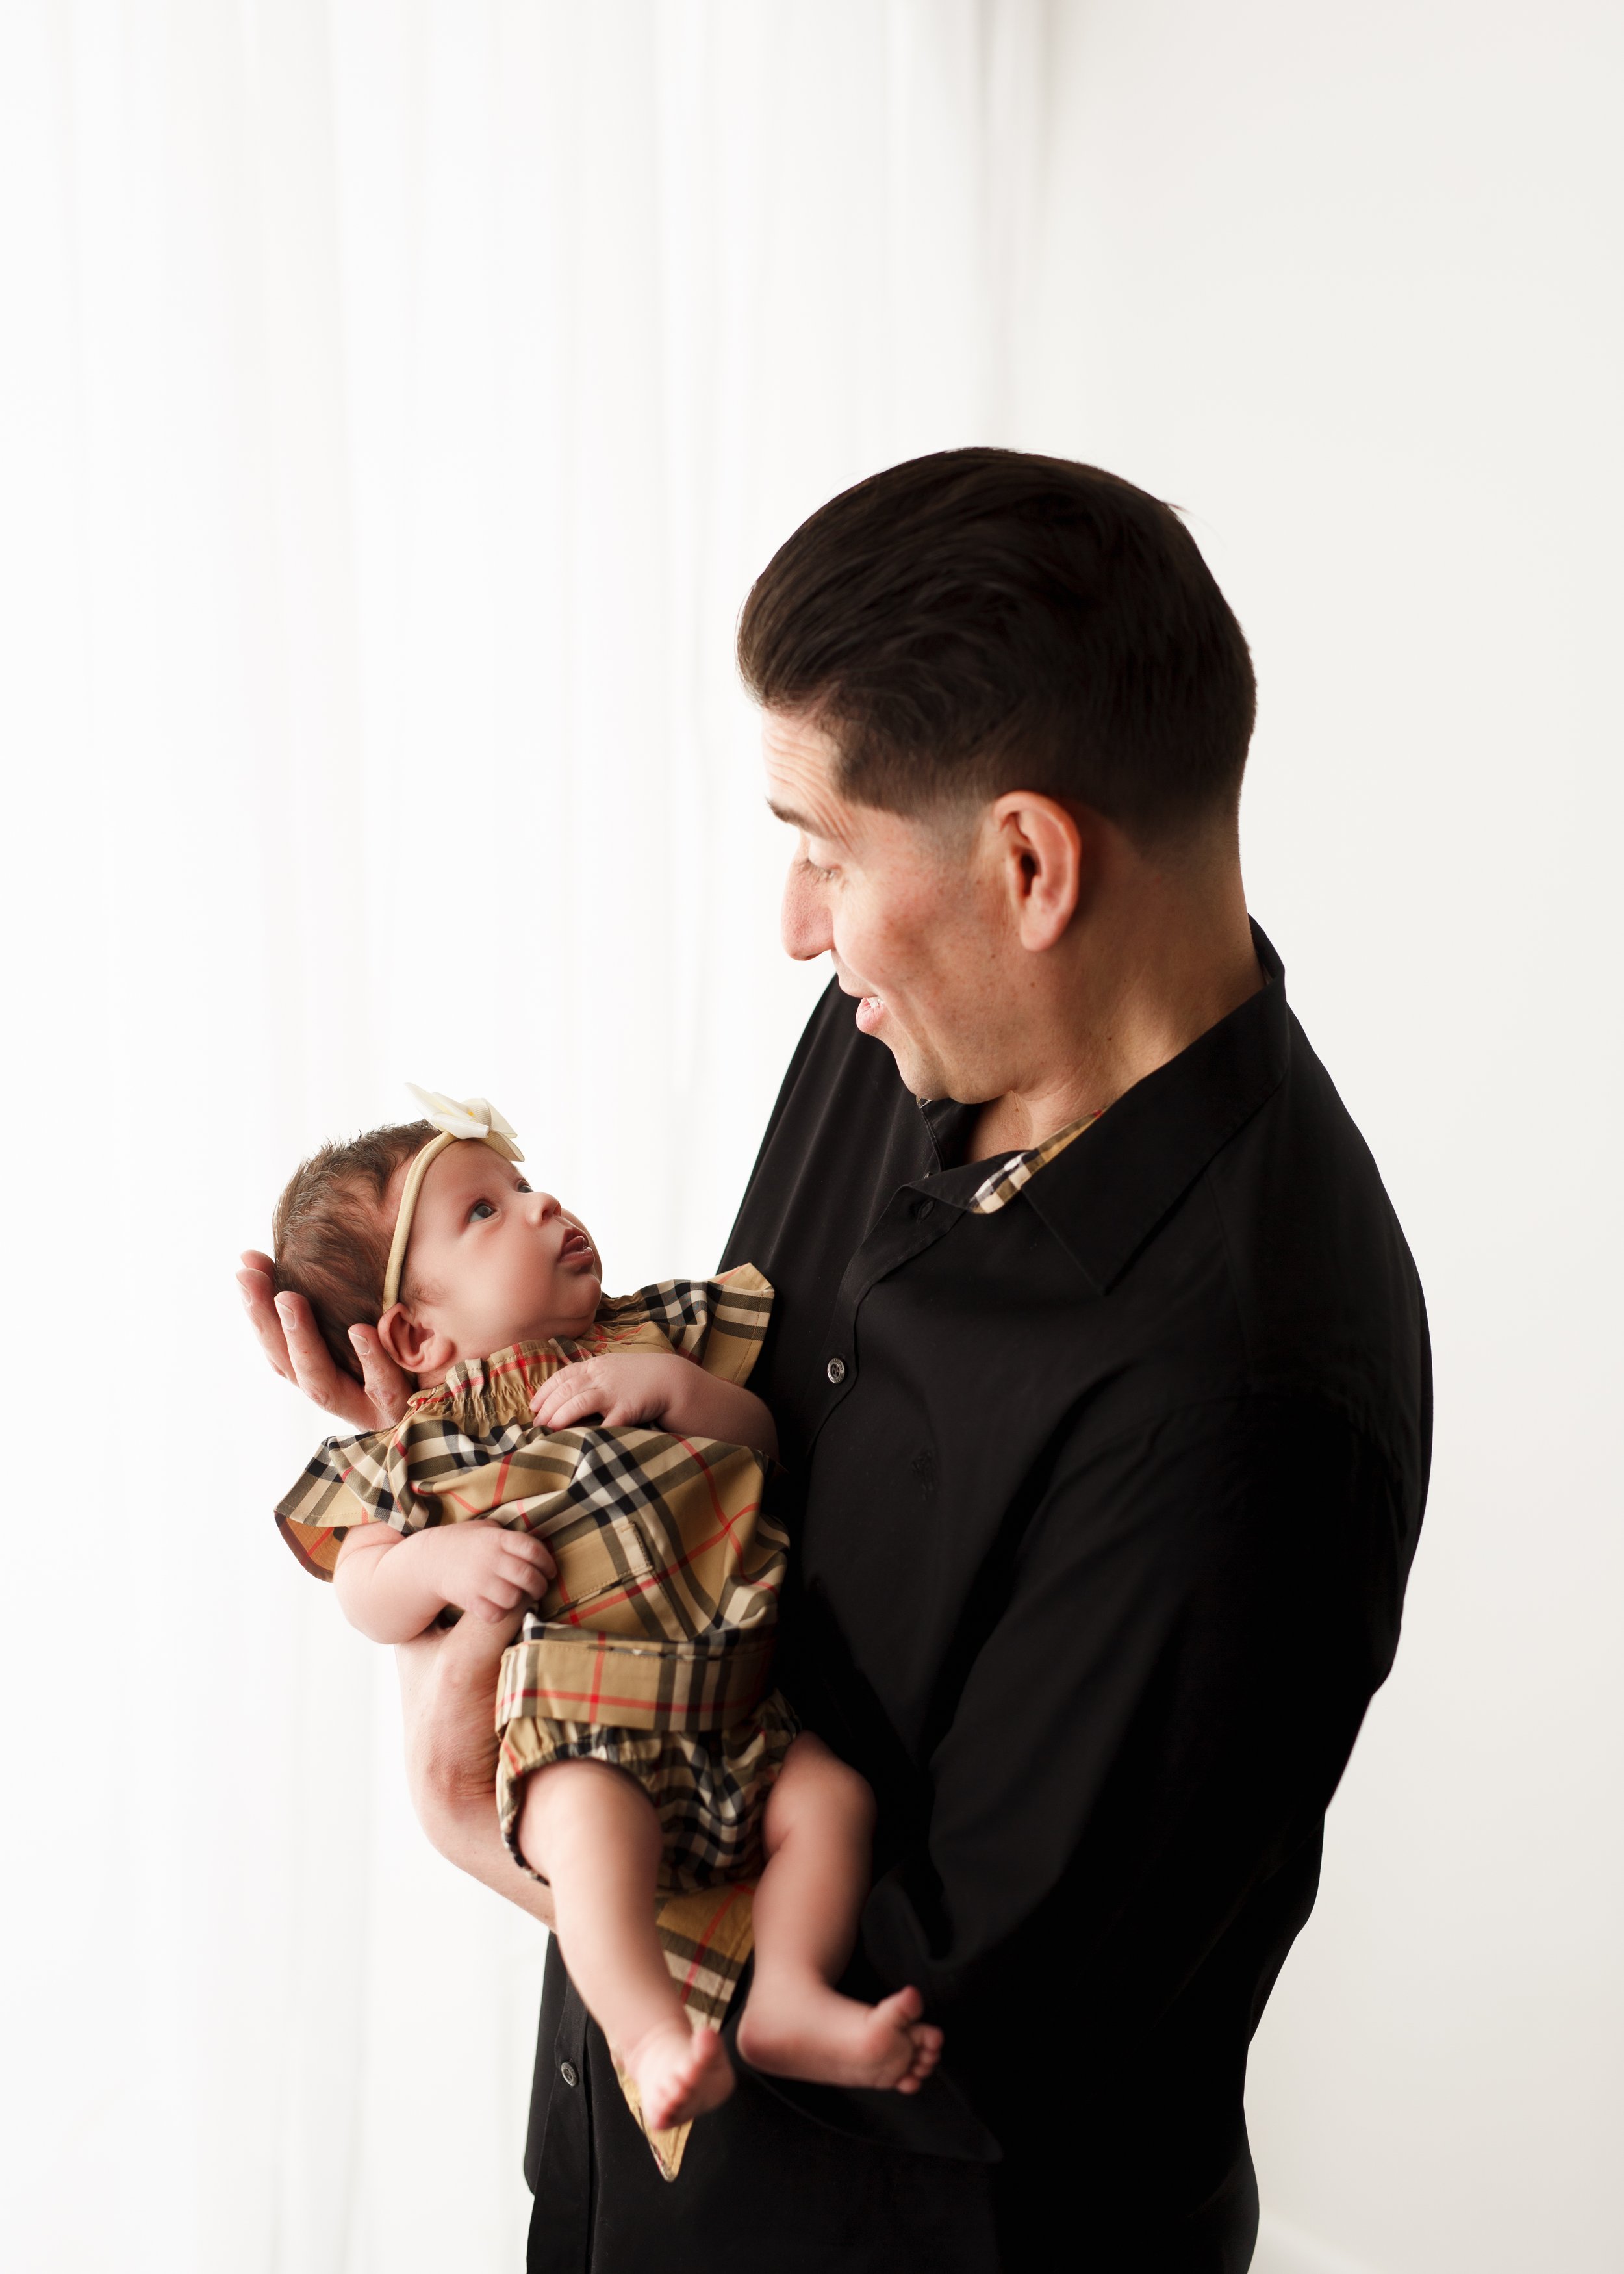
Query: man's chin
{"x":919,"y":1073}
{"x":914,"y":1070}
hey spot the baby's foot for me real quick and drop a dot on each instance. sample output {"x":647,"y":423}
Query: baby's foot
{"x":813,"y":2032}
{"x":679,"y":2073}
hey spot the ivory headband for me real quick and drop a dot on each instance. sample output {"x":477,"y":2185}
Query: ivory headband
{"x":459,"y":1121}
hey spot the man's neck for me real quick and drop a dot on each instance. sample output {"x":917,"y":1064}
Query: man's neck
{"x":1141,"y":982}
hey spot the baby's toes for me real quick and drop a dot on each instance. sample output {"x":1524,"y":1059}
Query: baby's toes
{"x":927,"y":2049}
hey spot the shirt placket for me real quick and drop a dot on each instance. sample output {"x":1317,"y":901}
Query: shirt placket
{"x":914,"y":1219}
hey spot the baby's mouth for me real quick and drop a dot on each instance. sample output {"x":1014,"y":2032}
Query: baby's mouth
{"x":575,"y":1244}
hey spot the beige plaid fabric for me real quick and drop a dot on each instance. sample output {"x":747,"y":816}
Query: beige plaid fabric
{"x":470,"y":1447}
{"x":653,"y":1648}
{"x":1018,"y":1171}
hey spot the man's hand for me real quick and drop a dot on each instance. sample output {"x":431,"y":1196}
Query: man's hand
{"x":654,"y":1390}
{"x":447,"y":1704}
{"x":293,"y":1343}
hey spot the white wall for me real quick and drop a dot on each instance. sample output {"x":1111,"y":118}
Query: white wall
{"x":1345,"y":283}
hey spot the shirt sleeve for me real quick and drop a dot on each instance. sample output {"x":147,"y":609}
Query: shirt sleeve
{"x":1161,"y":1689}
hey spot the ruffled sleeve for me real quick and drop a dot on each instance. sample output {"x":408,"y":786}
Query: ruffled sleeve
{"x":346,"y":1483}
{"x":720,"y":1323}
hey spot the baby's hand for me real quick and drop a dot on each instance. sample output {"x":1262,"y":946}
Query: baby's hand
{"x":646,"y":1387}
{"x":482,"y":1567}
{"x":656,"y":1390}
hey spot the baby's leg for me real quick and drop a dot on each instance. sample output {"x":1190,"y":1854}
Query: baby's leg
{"x":818,"y":1827}
{"x":590,"y":1830}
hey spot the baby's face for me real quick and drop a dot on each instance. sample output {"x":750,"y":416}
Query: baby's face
{"x":492,"y":1262}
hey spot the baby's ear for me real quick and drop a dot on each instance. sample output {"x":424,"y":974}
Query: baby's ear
{"x":408,"y":1342}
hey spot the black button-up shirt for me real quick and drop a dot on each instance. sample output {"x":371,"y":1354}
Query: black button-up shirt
{"x":1102,"y":1507}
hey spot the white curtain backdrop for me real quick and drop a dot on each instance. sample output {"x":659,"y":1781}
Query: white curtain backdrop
{"x":397,"y":397}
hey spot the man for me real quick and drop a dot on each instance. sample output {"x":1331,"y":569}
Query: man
{"x":1100,"y":1372}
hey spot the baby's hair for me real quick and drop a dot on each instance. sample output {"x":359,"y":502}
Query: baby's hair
{"x":329,"y":1234}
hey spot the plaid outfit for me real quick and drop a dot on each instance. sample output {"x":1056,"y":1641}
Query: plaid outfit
{"x":652,"y":1647}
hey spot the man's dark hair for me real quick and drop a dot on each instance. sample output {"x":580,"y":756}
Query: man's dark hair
{"x":981,"y":620}
{"x":330,"y":1237}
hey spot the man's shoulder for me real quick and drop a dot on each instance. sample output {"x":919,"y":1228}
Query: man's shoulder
{"x":1324,"y":1289}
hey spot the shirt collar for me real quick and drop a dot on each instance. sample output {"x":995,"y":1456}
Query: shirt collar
{"x":1102,"y":1198}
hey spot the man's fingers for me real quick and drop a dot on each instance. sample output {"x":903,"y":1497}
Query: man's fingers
{"x":313,"y":1369}
{"x":293,"y":1343}
{"x":256,"y":1285}
{"x":385,"y":1387}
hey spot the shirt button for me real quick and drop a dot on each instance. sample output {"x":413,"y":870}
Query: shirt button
{"x":567,"y":2070}
{"x":921,"y":1210}
{"x":835,"y":1370}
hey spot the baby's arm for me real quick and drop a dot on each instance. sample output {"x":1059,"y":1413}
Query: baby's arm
{"x":659,"y":1391}
{"x":393,"y":1588}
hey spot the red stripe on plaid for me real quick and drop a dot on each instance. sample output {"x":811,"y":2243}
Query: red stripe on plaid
{"x":594,"y":1340}
{"x":670,"y":1571}
{"x":598,"y":1697}
{"x":716,"y":1917}
{"x":722,"y":1516}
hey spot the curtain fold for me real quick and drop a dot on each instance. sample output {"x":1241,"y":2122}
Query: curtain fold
{"x":398,"y":400}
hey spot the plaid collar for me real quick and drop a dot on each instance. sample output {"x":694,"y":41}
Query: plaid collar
{"x":1154,"y":1141}
{"x":998,"y":1190}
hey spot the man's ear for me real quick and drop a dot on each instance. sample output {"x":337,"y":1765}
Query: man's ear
{"x":1046,"y":848}
{"x":415,"y":1346}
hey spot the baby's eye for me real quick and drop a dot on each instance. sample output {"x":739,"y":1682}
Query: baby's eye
{"x":479,"y":1211}
{"x":520,"y":1186}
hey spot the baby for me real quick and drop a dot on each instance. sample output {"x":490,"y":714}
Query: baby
{"x":642,"y":1750}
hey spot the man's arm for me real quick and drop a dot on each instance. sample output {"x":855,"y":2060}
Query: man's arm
{"x":448,"y":1698}
{"x":1159,"y":1712}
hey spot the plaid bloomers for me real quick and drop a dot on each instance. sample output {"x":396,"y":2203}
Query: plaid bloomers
{"x":653,"y":1648}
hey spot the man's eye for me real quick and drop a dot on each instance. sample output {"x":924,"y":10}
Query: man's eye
{"x":479,"y":1211}
{"x":818,"y":876}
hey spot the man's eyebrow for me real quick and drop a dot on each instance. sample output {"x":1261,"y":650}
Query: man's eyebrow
{"x":787,"y":813}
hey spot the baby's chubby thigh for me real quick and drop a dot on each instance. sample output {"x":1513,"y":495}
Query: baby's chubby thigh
{"x":588,"y":1828}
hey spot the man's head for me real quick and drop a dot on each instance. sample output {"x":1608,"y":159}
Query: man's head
{"x":996,"y":687}
{"x":982,"y":621}
{"x":488,"y":1261}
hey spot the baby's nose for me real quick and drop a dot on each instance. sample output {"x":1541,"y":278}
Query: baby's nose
{"x":543,"y":1208}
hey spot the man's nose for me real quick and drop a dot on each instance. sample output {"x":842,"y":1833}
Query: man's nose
{"x":804,"y":925}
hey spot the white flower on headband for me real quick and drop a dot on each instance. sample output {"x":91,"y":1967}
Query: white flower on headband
{"x":468,"y":1117}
